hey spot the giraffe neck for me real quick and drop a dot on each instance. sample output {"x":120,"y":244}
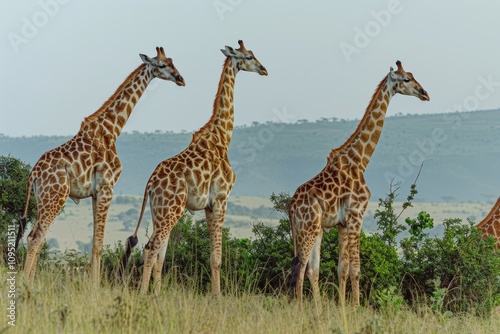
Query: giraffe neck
{"x":220,"y":125}
{"x":110,"y":119}
{"x":361,"y":145}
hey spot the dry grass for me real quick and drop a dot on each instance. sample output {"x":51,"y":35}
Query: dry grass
{"x":59,"y":302}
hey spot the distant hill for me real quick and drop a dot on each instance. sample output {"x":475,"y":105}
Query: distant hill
{"x":460,"y":151}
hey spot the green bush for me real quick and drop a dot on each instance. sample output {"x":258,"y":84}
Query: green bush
{"x":461,"y":262}
{"x":13,"y":184}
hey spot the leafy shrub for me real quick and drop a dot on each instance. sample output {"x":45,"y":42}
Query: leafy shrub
{"x":461,"y":262}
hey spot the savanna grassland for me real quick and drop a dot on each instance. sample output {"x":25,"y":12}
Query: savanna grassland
{"x":428,"y":273}
{"x":62,"y":302}
{"x":255,"y":298}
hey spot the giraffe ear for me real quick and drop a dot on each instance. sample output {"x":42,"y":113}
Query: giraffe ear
{"x":228,"y":51}
{"x":146,"y":59}
{"x":392,"y":74}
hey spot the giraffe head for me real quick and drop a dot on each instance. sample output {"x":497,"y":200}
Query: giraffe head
{"x":404,"y":83}
{"x":244,"y":59}
{"x":163,"y":67}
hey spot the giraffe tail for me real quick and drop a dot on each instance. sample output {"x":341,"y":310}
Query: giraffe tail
{"x":292,"y":280}
{"x":23,"y":222}
{"x":132,"y":241}
{"x":22,"y":228}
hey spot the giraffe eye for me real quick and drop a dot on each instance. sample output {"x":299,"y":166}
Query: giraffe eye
{"x":162,"y":66}
{"x":249,"y":57}
{"x":406,"y":80}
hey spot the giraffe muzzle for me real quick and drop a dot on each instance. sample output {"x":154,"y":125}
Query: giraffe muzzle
{"x":424,"y":96}
{"x":179,"y":80}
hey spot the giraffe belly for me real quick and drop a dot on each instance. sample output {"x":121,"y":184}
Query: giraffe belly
{"x":333,"y":218}
{"x":80,"y":191}
{"x":196,"y":203}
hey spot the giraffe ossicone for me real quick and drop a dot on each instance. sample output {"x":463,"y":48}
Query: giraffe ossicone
{"x":87,"y":165}
{"x":198,"y":178}
{"x":338,"y":195}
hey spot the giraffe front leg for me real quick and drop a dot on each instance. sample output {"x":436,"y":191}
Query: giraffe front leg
{"x":349,"y":262}
{"x":100,"y":207}
{"x":354,"y":260}
{"x":354,"y":236}
{"x":343,"y":265}
{"x":215,"y":221}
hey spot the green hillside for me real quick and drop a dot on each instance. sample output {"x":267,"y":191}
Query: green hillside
{"x":460,"y":151}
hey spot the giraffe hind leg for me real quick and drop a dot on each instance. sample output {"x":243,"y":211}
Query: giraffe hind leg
{"x":47,"y":212}
{"x":312,"y":268}
{"x":35,"y":244}
{"x":154,"y":246}
{"x":159,"y":266}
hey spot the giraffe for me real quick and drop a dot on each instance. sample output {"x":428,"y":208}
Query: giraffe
{"x":490,"y":225}
{"x":87,"y":165}
{"x":198,"y":178}
{"x":338,"y":195}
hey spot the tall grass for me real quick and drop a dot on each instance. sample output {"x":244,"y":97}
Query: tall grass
{"x":66,"y":302}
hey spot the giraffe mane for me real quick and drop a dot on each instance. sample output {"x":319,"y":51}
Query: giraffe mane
{"x":113,"y":97}
{"x":198,"y":133}
{"x":490,"y":214}
{"x":334,"y":152}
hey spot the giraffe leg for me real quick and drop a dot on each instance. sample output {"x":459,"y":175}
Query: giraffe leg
{"x":100,"y":205}
{"x":343,"y":265}
{"x":353,"y":242}
{"x":37,"y":250}
{"x":158,"y":266}
{"x":49,"y":204}
{"x":300,"y":280}
{"x":354,"y":261}
{"x":308,"y":249}
{"x":167,"y":207}
{"x":215,"y":221}
{"x":313,"y":266}
{"x":150,"y":257}
{"x":164,"y":219}
{"x":354,"y":270}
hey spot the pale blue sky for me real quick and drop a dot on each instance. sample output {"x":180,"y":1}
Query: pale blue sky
{"x":61,"y":60}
